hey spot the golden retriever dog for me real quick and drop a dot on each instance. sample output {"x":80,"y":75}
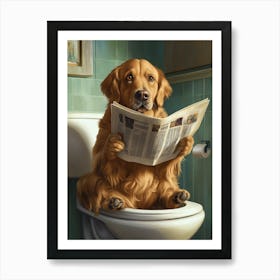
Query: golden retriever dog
{"x":114,"y":183}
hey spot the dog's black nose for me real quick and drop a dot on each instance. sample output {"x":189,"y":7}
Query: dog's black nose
{"x":141,"y":95}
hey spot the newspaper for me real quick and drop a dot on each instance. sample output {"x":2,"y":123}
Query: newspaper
{"x":150,"y":140}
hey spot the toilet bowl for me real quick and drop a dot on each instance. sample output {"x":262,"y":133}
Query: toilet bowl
{"x":128,"y":223}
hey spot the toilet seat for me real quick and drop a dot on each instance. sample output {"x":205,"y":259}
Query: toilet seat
{"x":128,"y":223}
{"x":190,"y":209}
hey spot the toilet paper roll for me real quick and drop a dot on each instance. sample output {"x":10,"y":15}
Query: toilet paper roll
{"x":201,"y":151}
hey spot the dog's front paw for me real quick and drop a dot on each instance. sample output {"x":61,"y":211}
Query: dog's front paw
{"x":113,"y":146}
{"x":185,"y":146}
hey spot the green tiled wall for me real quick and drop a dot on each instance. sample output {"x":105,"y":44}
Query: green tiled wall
{"x":84,"y":94}
{"x":196,"y":174}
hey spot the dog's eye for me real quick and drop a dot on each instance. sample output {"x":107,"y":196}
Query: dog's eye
{"x":151,"y":78}
{"x":129,"y":78}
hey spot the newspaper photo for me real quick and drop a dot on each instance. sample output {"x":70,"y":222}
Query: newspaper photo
{"x":150,"y":140}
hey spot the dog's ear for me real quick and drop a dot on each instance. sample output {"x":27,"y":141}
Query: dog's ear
{"x":164,"y":89}
{"x":110,"y":86}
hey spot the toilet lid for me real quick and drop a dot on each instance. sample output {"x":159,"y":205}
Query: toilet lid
{"x":190,"y":209}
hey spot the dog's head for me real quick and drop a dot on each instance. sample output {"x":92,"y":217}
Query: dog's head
{"x":138,"y":85}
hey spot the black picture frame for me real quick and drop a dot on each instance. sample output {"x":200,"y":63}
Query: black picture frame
{"x":53,"y":252}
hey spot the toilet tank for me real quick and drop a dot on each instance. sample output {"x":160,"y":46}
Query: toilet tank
{"x":82,"y":132}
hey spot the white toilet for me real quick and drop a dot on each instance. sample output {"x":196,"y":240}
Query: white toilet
{"x":179,"y":223}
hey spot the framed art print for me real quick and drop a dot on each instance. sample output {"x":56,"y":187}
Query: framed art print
{"x":103,"y":205}
{"x":80,"y":60}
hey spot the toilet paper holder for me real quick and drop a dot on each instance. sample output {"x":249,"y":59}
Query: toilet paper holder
{"x":202,"y":149}
{"x":208,"y":145}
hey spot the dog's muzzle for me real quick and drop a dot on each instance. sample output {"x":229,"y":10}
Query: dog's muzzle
{"x":142,"y":101}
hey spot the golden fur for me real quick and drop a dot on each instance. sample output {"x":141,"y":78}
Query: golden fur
{"x":115,"y":183}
